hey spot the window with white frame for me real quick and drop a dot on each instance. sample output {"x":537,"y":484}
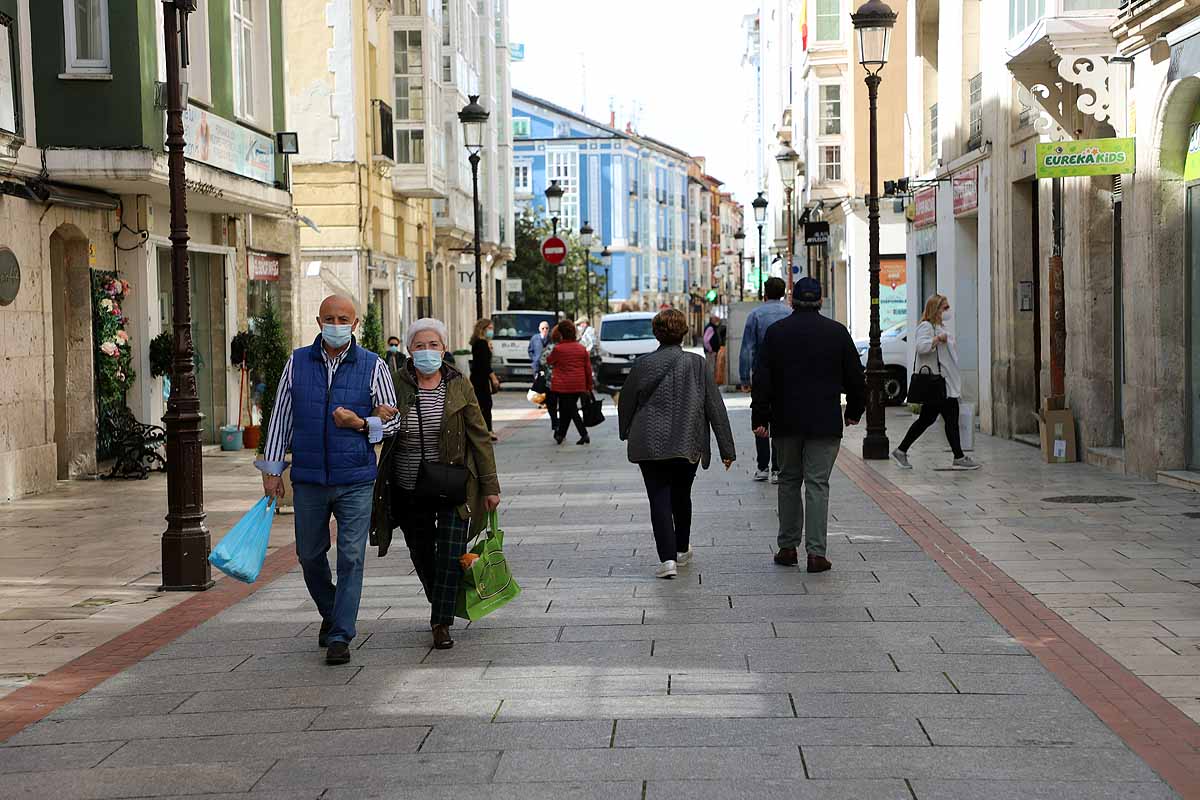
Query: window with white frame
{"x":563,"y":166}
{"x":975,"y":106}
{"x":199,"y":76}
{"x":935,"y":144}
{"x":406,"y":8}
{"x":409,"y":76}
{"x":828,"y":19}
{"x":831,"y":109}
{"x":86,"y":29}
{"x":522,"y":178}
{"x":251,"y":35}
{"x":10,"y":103}
{"x":830,"y":163}
{"x":410,"y":146}
{"x":1023,"y":13}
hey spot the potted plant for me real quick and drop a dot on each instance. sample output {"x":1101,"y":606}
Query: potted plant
{"x":372,"y":330}
{"x":241,"y":355}
{"x":268,"y":351}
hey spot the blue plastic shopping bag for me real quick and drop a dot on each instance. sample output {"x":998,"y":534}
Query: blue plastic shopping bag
{"x":242,"y":552}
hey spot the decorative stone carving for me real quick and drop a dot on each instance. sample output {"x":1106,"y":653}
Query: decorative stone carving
{"x":1050,"y":99}
{"x":1091,"y":74}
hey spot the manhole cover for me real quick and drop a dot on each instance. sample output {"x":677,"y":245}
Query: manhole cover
{"x":1085,"y":499}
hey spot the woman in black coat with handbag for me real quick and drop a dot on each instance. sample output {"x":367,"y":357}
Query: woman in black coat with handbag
{"x":483,"y":379}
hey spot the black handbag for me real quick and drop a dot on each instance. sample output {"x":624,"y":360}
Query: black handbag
{"x":540,"y":385}
{"x":444,"y":485}
{"x":926,"y":387}
{"x":593,"y":411}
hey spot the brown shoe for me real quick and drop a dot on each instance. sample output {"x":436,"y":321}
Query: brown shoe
{"x":441,"y":637}
{"x":786,"y":557}
{"x":818,"y":563}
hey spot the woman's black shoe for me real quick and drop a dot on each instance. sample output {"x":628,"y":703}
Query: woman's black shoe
{"x":559,"y":439}
{"x":584,"y":440}
{"x":441,"y":637}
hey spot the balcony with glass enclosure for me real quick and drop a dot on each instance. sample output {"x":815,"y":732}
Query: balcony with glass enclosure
{"x":418,"y":141}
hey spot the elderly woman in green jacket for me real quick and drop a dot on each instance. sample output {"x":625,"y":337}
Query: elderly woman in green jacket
{"x":441,"y":424}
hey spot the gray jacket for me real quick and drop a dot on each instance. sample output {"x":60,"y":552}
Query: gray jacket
{"x":668,"y":405}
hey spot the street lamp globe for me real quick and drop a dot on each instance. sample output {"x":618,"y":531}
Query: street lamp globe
{"x":586,"y":235}
{"x":554,"y":194}
{"x":739,"y":237}
{"x":873,"y":21}
{"x":788,"y":161}
{"x":760,"y":209}
{"x":474,"y":119}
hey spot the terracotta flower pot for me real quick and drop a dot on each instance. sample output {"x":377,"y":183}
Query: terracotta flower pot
{"x":251,"y":436}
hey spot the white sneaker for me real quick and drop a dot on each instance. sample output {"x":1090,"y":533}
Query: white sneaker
{"x":965,"y":463}
{"x":683,"y":559}
{"x":901,"y":458}
{"x":761,"y":475}
{"x":775,"y":477}
{"x":666,"y":570}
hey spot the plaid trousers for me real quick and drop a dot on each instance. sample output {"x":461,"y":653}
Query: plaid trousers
{"x":436,"y":539}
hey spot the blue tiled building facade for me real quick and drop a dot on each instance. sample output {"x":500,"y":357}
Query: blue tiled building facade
{"x":632,"y":190}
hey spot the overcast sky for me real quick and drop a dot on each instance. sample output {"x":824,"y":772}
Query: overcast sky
{"x":679,"y":61}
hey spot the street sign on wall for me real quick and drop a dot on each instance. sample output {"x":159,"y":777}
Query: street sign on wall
{"x":965,"y":186}
{"x":554,"y":250}
{"x":263,"y":267}
{"x":1085,"y":157}
{"x":925,"y":207}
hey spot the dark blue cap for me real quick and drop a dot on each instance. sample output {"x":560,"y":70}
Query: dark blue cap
{"x":807,"y":290}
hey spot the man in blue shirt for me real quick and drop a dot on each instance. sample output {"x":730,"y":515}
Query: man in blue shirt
{"x":335,"y":402}
{"x":761,"y":318}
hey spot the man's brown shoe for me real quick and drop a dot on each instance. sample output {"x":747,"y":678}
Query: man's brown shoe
{"x":786,"y":557}
{"x":818,"y":563}
{"x":441,"y":637}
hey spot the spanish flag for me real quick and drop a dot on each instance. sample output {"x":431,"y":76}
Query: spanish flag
{"x":804,"y":24}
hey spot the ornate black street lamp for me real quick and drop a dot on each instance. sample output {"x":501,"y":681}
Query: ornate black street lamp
{"x":873,"y":22}
{"x":474,"y":119}
{"x":606,"y":259}
{"x":788,"y":160}
{"x":586,"y":236}
{"x":760,"y":217}
{"x":554,"y":195}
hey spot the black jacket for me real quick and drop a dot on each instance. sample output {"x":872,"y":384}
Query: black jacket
{"x":807,"y":362}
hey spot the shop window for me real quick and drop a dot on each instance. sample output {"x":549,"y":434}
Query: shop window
{"x":87,"y":47}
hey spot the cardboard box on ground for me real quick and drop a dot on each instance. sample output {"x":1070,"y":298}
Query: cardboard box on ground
{"x":1056,"y":424}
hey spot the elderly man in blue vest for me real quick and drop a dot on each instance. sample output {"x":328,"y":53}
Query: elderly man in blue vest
{"x":334,"y":403}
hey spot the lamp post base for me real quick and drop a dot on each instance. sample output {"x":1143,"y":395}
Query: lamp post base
{"x":184,"y":568}
{"x":876,"y":447}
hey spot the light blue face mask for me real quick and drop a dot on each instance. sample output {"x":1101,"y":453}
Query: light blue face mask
{"x":336,"y":336}
{"x":489,"y":333}
{"x":427,"y":362}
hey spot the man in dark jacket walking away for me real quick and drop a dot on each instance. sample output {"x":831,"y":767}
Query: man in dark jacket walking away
{"x":807,"y":362}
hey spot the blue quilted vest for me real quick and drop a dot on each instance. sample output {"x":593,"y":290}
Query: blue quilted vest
{"x":323,"y":453}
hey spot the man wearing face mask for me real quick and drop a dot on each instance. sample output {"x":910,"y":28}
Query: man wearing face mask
{"x":394,"y":357}
{"x":335,"y":401}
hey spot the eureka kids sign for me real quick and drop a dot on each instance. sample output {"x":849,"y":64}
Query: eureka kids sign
{"x":1085,"y":157}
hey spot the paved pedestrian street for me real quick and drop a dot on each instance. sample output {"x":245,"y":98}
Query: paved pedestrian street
{"x":883,"y":679}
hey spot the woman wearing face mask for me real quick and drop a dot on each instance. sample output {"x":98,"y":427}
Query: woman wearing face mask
{"x":483,"y":379}
{"x":935,"y":350}
{"x":394,"y":357}
{"x":440,"y":423}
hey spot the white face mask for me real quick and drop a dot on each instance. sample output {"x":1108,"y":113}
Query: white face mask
{"x":947,"y":315}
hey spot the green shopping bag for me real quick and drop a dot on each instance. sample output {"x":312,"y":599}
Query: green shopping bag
{"x":489,"y":583}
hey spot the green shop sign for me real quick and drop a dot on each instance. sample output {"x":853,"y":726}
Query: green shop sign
{"x":1085,"y":157}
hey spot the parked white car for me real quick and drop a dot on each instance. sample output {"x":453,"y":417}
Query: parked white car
{"x":894,"y":343}
{"x":510,"y":343}
{"x":621,"y":339}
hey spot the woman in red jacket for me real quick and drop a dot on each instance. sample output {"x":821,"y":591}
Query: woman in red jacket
{"x":571,"y":381}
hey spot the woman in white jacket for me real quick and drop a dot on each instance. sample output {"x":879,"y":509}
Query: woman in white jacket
{"x":935,"y":350}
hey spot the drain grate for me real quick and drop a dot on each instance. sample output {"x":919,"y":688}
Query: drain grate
{"x":1087,"y":499}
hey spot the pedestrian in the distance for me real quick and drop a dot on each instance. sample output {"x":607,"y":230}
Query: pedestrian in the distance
{"x":761,"y":318}
{"x":394,"y":357}
{"x":483,"y":379}
{"x":573,"y":381}
{"x":807,"y":362}
{"x":548,"y":372}
{"x":667,"y":408}
{"x":335,"y":402}
{"x":713,"y":342}
{"x":538,"y":342}
{"x":587,"y":336}
{"x":439,"y":422}
{"x":936,"y":351}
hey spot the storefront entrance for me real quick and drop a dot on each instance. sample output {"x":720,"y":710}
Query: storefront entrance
{"x":209,"y":335}
{"x":1193,"y":333}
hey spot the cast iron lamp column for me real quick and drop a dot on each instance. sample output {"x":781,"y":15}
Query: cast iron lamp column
{"x":740,"y":246}
{"x":760,"y":217}
{"x":554,"y":194}
{"x":586,"y":236}
{"x":474,"y":119}
{"x":788,"y":160}
{"x":185,"y":543}
{"x":606,"y":259}
{"x":873,"y":21}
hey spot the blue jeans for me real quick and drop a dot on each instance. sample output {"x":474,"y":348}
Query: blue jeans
{"x":351,"y":507}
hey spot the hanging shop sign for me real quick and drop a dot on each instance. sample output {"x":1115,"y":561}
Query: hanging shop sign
{"x":925,"y":207}
{"x":893,"y":291}
{"x":226,"y":145}
{"x":263,"y":267}
{"x":965,"y":185}
{"x":1085,"y":157}
{"x":10,"y":276}
{"x":816,"y":234}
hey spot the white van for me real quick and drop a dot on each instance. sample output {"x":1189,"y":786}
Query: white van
{"x":510,"y":343}
{"x":621,"y":339}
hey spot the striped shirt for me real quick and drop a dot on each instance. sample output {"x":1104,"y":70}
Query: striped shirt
{"x":408,"y":449}
{"x":279,"y":437}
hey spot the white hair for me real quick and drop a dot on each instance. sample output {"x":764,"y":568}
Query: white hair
{"x":426,"y":324}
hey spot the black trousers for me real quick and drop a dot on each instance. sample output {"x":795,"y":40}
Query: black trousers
{"x":552,"y":409}
{"x":568,"y":412}
{"x":765,"y":449}
{"x":948,"y":409}
{"x":483,"y":393}
{"x":669,"y":489}
{"x":436,"y":540}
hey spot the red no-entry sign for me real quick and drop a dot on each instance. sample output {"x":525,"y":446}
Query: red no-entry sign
{"x":554,"y":250}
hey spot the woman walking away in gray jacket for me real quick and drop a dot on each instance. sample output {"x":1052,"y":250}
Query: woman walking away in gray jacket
{"x":667,"y":407}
